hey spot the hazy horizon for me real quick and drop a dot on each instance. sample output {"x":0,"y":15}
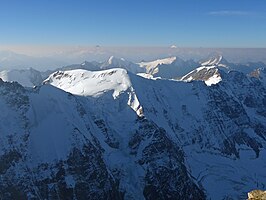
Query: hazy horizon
{"x":51,"y":57}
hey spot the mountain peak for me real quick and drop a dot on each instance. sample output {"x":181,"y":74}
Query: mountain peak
{"x":95,"y":84}
{"x":216,"y":60}
{"x":111,"y":59}
{"x":89,"y":83}
{"x":213,"y":60}
{"x":211,"y":75}
{"x":115,"y":60}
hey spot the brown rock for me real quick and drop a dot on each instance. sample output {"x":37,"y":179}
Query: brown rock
{"x":257,"y":195}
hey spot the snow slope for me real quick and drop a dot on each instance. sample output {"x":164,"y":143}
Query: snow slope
{"x":86,"y":83}
{"x":152,"y":66}
{"x":216,"y":60}
{"x":27,"y":77}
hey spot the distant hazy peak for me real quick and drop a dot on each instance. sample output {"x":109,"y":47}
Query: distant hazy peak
{"x":114,"y":62}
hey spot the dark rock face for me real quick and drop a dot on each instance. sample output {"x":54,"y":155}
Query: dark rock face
{"x":110,"y":139}
{"x":84,"y":169}
{"x":166,"y":174}
{"x":168,"y":180}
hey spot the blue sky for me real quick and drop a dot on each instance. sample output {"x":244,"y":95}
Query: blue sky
{"x":185,"y":23}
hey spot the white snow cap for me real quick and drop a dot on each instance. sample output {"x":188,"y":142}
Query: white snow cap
{"x":94,"y":84}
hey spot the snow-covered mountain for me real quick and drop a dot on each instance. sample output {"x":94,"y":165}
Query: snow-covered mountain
{"x":86,"y":83}
{"x":171,"y":67}
{"x":219,"y":61}
{"x":215,"y":60}
{"x":210,"y":75}
{"x":28,"y":77}
{"x":211,"y":70}
{"x":152,"y":66}
{"x":114,"y":135}
{"x":177,"y":68}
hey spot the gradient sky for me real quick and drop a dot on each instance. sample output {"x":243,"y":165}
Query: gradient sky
{"x":184,"y":23}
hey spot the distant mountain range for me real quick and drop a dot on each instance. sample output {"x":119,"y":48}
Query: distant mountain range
{"x":166,"y":68}
{"x":43,"y":58}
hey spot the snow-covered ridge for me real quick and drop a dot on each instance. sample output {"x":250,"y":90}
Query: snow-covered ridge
{"x":209,"y":74}
{"x":212,"y":61}
{"x":152,"y":67}
{"x":114,"y":60}
{"x":94,"y":84}
{"x":88,"y":83}
{"x":145,"y":75}
{"x":209,"y":71}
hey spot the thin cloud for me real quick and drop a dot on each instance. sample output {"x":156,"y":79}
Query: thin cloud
{"x":229,"y":13}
